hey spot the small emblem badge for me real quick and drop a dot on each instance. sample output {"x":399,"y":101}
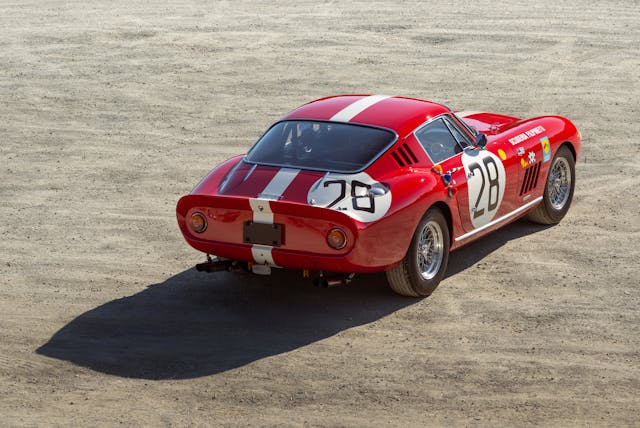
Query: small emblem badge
{"x":546,"y":149}
{"x":532,"y":157}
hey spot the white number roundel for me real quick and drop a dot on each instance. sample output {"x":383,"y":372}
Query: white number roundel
{"x":486,"y":182}
{"x":351,"y":194}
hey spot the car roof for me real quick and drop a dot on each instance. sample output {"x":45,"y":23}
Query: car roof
{"x":400,"y":114}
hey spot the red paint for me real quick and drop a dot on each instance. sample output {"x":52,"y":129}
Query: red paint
{"x":223,"y":196}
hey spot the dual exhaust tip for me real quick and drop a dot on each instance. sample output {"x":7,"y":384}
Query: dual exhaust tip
{"x":332,"y":281}
{"x":214,"y":266}
{"x":322,"y":281}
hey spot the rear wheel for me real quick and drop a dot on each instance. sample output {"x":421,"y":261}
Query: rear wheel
{"x":558,"y":190}
{"x":426,"y":260}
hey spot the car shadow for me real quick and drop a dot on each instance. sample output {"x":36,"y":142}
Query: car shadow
{"x":471,"y":254}
{"x":196,"y":324}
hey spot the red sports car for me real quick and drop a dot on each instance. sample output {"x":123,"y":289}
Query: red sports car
{"x":366,"y":183}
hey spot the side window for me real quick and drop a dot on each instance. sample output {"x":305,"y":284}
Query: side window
{"x":438,"y":141}
{"x":458,"y":133}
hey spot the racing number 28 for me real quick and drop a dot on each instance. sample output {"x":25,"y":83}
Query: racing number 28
{"x":494,"y":184}
{"x":355,"y":184}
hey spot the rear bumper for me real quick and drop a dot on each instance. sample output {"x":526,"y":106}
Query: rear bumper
{"x":285,"y":258}
{"x":304,"y":243}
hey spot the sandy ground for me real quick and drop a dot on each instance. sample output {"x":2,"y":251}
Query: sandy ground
{"x":109,"y":111}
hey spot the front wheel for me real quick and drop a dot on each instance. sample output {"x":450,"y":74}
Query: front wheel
{"x":425,"y":263}
{"x":558,"y":190}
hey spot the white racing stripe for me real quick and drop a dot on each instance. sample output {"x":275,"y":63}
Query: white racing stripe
{"x":262,"y":210}
{"x":352,"y":110}
{"x":262,"y":255}
{"x":279,"y":184}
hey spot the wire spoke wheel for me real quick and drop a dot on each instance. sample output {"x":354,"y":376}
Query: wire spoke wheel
{"x":558,"y":190}
{"x":559,"y":183}
{"x":430,"y":250}
{"x":425,"y":262}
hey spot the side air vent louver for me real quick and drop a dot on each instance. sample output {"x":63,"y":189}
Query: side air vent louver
{"x":404,"y":156}
{"x":530,"y":180}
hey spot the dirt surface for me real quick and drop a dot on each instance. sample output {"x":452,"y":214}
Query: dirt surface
{"x":110,"y":111}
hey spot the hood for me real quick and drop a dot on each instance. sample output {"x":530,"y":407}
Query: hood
{"x":488,"y":123}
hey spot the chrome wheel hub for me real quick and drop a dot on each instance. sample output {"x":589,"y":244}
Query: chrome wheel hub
{"x":559,"y":183}
{"x":430,"y":250}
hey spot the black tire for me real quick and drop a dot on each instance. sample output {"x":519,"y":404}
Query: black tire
{"x":557,"y":197}
{"x":407,"y":278}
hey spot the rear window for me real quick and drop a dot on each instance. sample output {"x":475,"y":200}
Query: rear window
{"x":326,"y":146}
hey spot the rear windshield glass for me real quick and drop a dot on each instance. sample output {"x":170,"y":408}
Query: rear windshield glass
{"x":326,"y":146}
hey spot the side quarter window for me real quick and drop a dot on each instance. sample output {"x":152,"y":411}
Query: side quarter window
{"x":460,"y":136}
{"x":438,"y":141}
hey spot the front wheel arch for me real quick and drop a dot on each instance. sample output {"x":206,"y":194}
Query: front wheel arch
{"x":571,"y":149}
{"x":547,"y":212}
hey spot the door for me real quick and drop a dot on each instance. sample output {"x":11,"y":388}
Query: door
{"x":479,"y":175}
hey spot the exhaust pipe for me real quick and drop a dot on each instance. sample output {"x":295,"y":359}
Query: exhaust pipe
{"x":214,"y":266}
{"x":332,"y":281}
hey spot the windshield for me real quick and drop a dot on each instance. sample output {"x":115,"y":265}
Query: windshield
{"x":326,"y":146}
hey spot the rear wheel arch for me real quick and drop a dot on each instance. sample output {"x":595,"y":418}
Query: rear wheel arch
{"x":425,"y":262}
{"x":446,"y":212}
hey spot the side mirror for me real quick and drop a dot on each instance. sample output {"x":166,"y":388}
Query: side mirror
{"x":481,"y":141}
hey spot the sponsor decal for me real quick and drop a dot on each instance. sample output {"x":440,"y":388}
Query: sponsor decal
{"x":529,"y":160}
{"x":532,"y":157}
{"x":520,"y":151}
{"x":546,"y":149}
{"x":526,"y":135}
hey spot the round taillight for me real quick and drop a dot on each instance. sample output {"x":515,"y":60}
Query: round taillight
{"x":198,"y":222}
{"x":336,"y":239}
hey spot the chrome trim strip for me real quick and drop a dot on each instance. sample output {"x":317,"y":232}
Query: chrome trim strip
{"x":355,"y":108}
{"x":253,"y":168}
{"x":422,"y":125}
{"x":471,"y":130}
{"x":498,"y":220}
